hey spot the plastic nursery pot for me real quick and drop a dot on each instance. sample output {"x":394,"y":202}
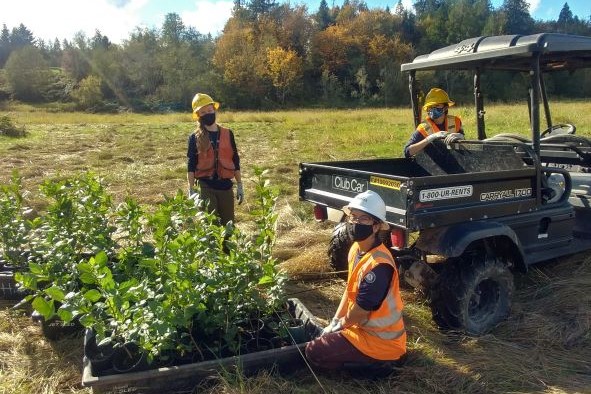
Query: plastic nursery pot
{"x":129,"y":358}
{"x":279,"y":342}
{"x":252,"y":326}
{"x":186,"y":357}
{"x":258,"y":345}
{"x":55,"y":328}
{"x":100,"y":356}
{"x":296,"y":329}
{"x":166,"y":358}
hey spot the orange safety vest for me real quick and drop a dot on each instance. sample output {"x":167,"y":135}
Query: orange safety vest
{"x":452,"y":123}
{"x":217,"y":161}
{"x":382,"y":336}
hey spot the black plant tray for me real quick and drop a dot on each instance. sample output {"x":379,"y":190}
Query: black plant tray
{"x":8,"y":287}
{"x":184,"y":378}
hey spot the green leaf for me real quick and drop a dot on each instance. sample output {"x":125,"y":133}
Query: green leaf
{"x":65,"y":315}
{"x":101,"y":258}
{"x":87,"y":278}
{"x":87,"y":320}
{"x":84,"y":267}
{"x":265,"y":280}
{"x":43,"y":307}
{"x":35,"y":268}
{"x":92,"y":295}
{"x":56,"y":293}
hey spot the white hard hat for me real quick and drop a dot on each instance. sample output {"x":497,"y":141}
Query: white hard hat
{"x":368,"y":202}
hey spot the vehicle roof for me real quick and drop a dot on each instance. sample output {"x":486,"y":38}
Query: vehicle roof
{"x":509,"y":52}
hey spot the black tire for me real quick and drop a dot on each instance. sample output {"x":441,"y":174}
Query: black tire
{"x":338,"y":249}
{"x":473,"y":295}
{"x":340,"y":243}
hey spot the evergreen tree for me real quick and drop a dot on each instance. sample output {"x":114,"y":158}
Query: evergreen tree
{"x":4,"y":45}
{"x":261,"y":7}
{"x":323,"y":18}
{"x":99,"y":41}
{"x":518,"y":19}
{"x":565,"y":19}
{"x":21,"y":37}
{"x":172,"y":29}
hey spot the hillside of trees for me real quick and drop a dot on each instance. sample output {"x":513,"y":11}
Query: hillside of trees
{"x":270,"y":56}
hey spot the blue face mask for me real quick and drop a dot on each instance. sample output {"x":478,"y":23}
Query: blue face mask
{"x":435,"y":112}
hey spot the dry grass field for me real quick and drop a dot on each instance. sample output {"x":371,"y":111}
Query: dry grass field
{"x":544,"y":347}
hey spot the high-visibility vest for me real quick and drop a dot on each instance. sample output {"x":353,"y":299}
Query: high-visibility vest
{"x":382,"y":336}
{"x":219,"y":160}
{"x":452,"y":124}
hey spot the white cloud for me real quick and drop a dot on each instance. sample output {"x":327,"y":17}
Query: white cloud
{"x":209,"y":16}
{"x":64,"y":18}
{"x":533,"y":6}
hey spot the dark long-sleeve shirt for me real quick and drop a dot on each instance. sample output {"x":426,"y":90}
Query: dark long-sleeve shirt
{"x":193,"y":159}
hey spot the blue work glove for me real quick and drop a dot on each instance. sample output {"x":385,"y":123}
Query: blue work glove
{"x":239,"y":192}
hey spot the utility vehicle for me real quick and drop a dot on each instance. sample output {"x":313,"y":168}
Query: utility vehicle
{"x":461,"y":226}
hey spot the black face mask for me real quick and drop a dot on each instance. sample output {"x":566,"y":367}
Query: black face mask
{"x":207,"y":119}
{"x":359,"y":232}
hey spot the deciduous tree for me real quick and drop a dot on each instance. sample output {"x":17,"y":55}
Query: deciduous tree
{"x":27,"y":73}
{"x":285,"y":69}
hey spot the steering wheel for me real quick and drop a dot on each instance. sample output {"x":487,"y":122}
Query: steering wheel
{"x":557,"y":129}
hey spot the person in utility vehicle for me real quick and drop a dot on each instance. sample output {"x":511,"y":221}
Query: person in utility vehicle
{"x":438,"y":125}
{"x":366,"y":335}
{"x":212,"y":160}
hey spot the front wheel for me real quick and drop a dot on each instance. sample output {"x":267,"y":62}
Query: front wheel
{"x":474,"y":293}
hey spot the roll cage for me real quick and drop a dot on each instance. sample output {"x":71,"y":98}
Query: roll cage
{"x":533,"y":54}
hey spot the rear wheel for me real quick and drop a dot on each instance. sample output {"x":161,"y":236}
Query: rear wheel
{"x":338,"y":249}
{"x":340,"y":243}
{"x":474,"y":293}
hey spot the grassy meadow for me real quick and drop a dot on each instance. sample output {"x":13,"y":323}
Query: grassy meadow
{"x":544,"y":347}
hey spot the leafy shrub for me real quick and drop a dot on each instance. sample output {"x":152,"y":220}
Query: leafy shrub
{"x":8,"y":128}
{"x":170,"y":280}
{"x":88,"y":95}
{"x":14,"y":228}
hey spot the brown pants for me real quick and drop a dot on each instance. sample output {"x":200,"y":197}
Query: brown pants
{"x":219,"y":202}
{"x":332,"y":351}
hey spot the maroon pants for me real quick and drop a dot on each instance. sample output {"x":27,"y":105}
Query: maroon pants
{"x":333,"y":351}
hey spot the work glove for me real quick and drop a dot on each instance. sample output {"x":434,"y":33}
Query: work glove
{"x":239,"y":192}
{"x":436,"y":136}
{"x":191,"y":192}
{"x":451,"y":137}
{"x":335,"y":322}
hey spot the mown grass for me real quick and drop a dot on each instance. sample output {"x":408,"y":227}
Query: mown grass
{"x":544,"y":347}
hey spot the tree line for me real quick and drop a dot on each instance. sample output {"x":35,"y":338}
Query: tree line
{"x":270,"y":56}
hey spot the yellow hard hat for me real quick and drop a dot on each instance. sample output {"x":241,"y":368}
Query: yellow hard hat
{"x":201,"y":100}
{"x":436,"y":96}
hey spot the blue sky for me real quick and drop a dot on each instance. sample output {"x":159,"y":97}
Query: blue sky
{"x":117,"y":18}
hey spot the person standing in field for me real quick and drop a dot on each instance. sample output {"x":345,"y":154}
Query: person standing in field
{"x":213,"y":161}
{"x":438,"y":125}
{"x":366,"y":335}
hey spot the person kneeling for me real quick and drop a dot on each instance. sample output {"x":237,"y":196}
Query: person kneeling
{"x":366,"y":335}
